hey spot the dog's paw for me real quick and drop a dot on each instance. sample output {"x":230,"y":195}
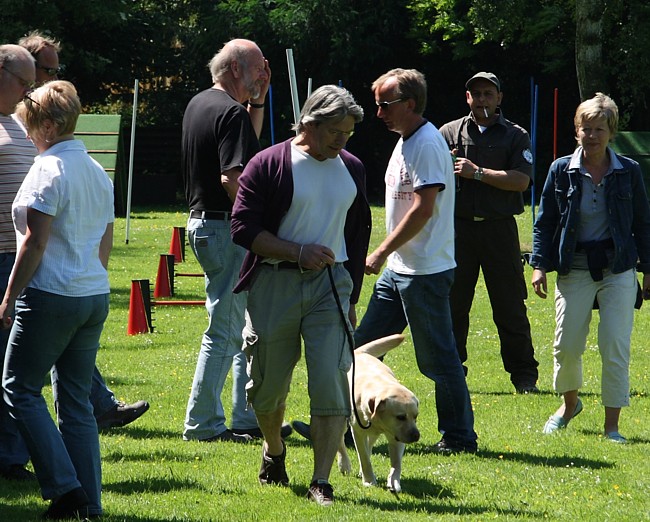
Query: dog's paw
{"x":394,"y":486}
{"x":393,"y":482}
{"x":344,"y":464}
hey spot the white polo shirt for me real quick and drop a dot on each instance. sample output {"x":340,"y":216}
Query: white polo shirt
{"x":66,"y":183}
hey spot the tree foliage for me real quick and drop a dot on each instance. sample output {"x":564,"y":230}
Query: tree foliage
{"x":166,"y":45}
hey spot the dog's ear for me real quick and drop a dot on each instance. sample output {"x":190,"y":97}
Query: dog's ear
{"x":376,"y":404}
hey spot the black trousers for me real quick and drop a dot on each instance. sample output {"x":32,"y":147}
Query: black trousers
{"x":492,"y":246}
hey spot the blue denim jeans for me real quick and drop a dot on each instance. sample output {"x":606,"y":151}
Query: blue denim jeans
{"x":221,"y":345}
{"x":101,"y":396}
{"x":422,"y":302}
{"x":59,"y":333}
{"x":12,"y":447}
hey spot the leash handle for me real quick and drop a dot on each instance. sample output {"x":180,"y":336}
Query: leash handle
{"x":348,"y":334}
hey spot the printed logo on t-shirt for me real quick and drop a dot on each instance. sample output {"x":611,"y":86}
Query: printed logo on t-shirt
{"x":405,"y":179}
{"x":528,"y":155}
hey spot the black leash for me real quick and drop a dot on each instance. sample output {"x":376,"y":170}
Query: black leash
{"x":348,"y":333}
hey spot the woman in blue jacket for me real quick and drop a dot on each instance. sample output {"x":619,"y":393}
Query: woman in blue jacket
{"x":593,"y":227}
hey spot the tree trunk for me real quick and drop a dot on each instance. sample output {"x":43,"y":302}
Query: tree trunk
{"x":590,"y":69}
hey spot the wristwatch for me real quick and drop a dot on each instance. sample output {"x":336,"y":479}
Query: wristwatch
{"x":478,"y":174}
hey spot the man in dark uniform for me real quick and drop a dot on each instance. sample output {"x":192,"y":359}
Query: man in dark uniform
{"x":493,"y":168}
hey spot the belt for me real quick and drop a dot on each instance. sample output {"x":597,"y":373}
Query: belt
{"x":607,"y":244}
{"x":286,"y":265}
{"x":220,"y":215}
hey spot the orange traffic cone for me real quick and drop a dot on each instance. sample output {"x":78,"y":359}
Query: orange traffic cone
{"x":139,"y":308}
{"x":165,"y":277}
{"x":177,"y":244}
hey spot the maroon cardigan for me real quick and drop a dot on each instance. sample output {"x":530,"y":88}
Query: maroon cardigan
{"x":264,"y":197}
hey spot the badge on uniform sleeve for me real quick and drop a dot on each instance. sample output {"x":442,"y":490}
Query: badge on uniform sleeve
{"x":528,"y":156}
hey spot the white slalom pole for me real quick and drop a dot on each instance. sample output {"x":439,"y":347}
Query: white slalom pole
{"x":294,"y":88}
{"x":131,"y":152}
{"x":309,"y":82}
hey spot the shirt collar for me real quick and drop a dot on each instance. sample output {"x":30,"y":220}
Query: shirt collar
{"x":576,"y":160}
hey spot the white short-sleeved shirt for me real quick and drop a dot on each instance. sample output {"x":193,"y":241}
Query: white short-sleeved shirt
{"x":66,"y":183}
{"x":419,"y":161}
{"x":323,"y":192}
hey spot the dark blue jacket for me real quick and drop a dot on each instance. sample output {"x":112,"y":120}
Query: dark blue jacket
{"x":556,"y":226}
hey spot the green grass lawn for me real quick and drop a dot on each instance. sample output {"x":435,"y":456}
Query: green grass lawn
{"x":151,"y":474}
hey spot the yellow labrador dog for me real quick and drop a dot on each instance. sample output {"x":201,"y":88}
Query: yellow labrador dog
{"x":386,"y":405}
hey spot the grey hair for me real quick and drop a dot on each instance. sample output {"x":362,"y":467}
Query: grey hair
{"x":10,"y":53}
{"x":237,"y":50}
{"x":326,"y":103}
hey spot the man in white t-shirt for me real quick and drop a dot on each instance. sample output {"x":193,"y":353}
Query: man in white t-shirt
{"x":419,"y":251}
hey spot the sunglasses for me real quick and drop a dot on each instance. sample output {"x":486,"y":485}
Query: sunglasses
{"x":51,"y":71}
{"x":26,"y":84}
{"x":28,"y":98}
{"x":384,"y":105}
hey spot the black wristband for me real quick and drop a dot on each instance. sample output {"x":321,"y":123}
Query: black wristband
{"x":256,"y":105}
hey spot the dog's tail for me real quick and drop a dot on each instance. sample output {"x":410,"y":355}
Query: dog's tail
{"x":381,"y":346}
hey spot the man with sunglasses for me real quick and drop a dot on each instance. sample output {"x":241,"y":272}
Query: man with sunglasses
{"x":17,"y":74}
{"x":493,"y":167}
{"x":45,"y":51}
{"x":418,"y":252}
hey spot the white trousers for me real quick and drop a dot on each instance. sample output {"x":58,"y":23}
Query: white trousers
{"x":574,"y":298}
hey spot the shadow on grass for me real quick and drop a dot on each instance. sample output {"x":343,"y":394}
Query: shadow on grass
{"x":421,"y":496}
{"x":630,"y":440}
{"x":152,"y":485}
{"x":537,"y":460}
{"x":511,"y":393}
{"x":143,"y":433}
{"x":166,"y":455}
{"x":31,"y":512}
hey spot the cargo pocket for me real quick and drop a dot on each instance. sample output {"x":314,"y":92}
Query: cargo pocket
{"x":252,"y":367}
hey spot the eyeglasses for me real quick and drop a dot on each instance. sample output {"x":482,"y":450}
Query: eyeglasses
{"x":30,"y":99}
{"x":51,"y":71}
{"x":25,"y":83}
{"x":384,"y":105}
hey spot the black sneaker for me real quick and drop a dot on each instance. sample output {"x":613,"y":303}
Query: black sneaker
{"x":304,"y":429}
{"x":229,"y":436}
{"x":17,"y":472}
{"x":526,"y":388}
{"x":121,"y":415}
{"x":273,"y":470}
{"x":446,"y":448}
{"x":73,"y":504}
{"x":256,"y":433}
{"x":321,"y":492}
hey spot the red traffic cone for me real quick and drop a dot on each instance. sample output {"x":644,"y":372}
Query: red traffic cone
{"x":177,"y":244}
{"x":139,"y":318}
{"x":165,"y":277}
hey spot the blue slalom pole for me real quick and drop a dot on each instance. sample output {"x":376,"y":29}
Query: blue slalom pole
{"x":271,"y":114}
